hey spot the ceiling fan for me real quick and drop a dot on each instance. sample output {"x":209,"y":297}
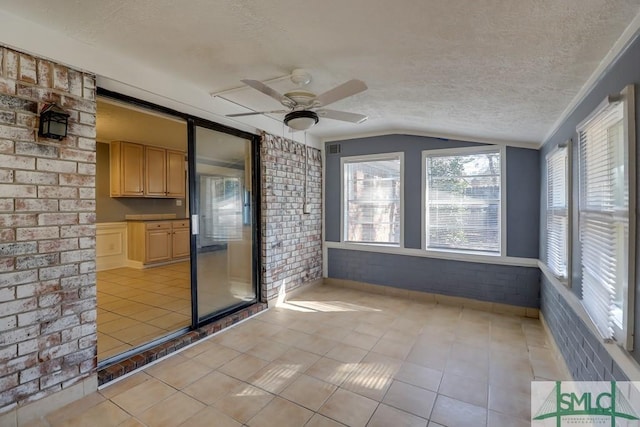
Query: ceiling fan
{"x":304,"y":108}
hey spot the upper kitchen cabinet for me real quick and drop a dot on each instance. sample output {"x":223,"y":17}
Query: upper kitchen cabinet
{"x":175,"y":174}
{"x":126,"y":169}
{"x":146,"y":171}
{"x":155,"y":171}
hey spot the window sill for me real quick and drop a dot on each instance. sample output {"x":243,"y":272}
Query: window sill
{"x":453,"y":256}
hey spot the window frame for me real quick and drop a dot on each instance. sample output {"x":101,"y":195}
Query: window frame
{"x":627,"y":98}
{"x":565,"y":150}
{"x":399,"y":155}
{"x":502,"y":219}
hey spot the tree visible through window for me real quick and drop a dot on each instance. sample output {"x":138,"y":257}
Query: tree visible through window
{"x":463,"y":201}
{"x":372,"y":194}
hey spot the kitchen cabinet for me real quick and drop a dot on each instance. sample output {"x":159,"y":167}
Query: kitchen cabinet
{"x":155,"y":171}
{"x":150,"y":242}
{"x":126,"y":163}
{"x":139,"y":170}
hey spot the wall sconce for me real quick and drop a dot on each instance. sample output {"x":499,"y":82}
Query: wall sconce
{"x":53,"y":122}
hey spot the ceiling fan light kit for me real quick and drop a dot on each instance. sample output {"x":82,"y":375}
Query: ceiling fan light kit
{"x":300,"y":120}
{"x":305,"y":108}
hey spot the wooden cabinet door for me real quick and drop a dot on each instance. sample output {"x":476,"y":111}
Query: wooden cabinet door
{"x":127,"y":165}
{"x":158,"y":244}
{"x":181,"y":242}
{"x":155,"y":160}
{"x":175,"y":174}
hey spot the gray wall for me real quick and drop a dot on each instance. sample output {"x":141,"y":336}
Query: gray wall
{"x":523,"y":188}
{"x":504,"y":284}
{"x":109,"y":209}
{"x":487,"y":282}
{"x":625,"y":71}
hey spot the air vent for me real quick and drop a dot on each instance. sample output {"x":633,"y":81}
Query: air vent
{"x":334,"y":148}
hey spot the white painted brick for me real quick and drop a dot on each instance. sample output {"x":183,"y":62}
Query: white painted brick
{"x":51,"y":165}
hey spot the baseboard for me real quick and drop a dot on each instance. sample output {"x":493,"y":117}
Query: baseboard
{"x":557,"y":355}
{"x":21,"y":415}
{"x":492,"y":307}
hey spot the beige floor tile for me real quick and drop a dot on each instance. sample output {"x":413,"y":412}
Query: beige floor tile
{"x":410,"y":398}
{"x":216,"y":356}
{"x":466,"y":389}
{"x":300,"y":358}
{"x":321,"y":421}
{"x":212,"y":387}
{"x":116,"y":325}
{"x":74,"y":409}
{"x":172,"y":321}
{"x":149,"y":314}
{"x":199,"y":348}
{"x":141,"y":330}
{"x":267,"y":350}
{"x":243,"y":366}
{"x":370,"y":380}
{"x":104,"y":414}
{"x":496,"y":419}
{"x":308,"y":391}
{"x":209,"y":417}
{"x":316,"y":344}
{"x":132,"y":422}
{"x":510,"y":402}
{"x":138,"y":399}
{"x":392,"y":348}
{"x":349,"y":408}
{"x":429,"y":356}
{"x":181,"y":375}
{"x":346,"y":353}
{"x":360,"y":340}
{"x":465,"y":368}
{"x":281,"y":413}
{"x":386,"y":416}
{"x":243,"y":402}
{"x":331,"y":371}
{"x":171,"y":412}
{"x":420,"y":376}
{"x":274,"y":377}
{"x":455,"y":413}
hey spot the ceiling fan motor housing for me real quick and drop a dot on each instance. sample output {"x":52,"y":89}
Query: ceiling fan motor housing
{"x":301,"y":119}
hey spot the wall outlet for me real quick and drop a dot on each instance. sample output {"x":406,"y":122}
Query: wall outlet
{"x":178,"y":202}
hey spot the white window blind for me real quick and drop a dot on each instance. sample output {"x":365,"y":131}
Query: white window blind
{"x":604,"y":218}
{"x":463,"y":201}
{"x":557,"y":212}
{"x":372,"y":200}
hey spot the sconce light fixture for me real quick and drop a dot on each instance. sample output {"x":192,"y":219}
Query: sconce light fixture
{"x":53,"y":122}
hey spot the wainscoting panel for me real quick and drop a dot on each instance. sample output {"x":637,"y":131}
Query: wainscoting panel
{"x":111,"y":245}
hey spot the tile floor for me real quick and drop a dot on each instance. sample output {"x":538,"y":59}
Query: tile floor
{"x":333,"y":357}
{"x":137,"y":306}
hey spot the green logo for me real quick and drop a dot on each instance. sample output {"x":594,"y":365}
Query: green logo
{"x":593,"y":401}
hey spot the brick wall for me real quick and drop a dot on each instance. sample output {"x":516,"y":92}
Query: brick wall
{"x":47,"y":235}
{"x":504,"y":284}
{"x":291,"y":239}
{"x":586,"y":357}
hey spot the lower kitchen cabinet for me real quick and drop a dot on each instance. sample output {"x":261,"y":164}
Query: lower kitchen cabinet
{"x":150,"y":242}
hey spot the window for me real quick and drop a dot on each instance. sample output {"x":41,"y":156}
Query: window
{"x":372,"y":189}
{"x":557,"y":212}
{"x":463,"y":208}
{"x":604,"y":219}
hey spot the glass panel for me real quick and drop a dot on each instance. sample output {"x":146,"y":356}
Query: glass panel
{"x":224,"y":207}
{"x":372,"y":201}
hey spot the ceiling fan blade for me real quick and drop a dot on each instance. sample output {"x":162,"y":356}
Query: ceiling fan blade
{"x":345,"y":90}
{"x":342,"y":115}
{"x":258,"y":85}
{"x":253,"y":113}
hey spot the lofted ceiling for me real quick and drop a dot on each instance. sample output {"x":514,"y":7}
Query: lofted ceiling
{"x":499,"y":70}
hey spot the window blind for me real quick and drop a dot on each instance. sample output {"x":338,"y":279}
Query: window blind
{"x":603,"y":216}
{"x":557,"y":212}
{"x":372,"y":201}
{"x":463,"y":201}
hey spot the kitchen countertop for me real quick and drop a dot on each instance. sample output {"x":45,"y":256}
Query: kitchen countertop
{"x":153,"y":217}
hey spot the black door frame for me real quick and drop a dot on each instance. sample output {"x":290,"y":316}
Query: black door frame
{"x":192,"y":122}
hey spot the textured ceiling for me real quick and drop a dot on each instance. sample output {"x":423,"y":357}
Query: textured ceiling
{"x":484,"y":69}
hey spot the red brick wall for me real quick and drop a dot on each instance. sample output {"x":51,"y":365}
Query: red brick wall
{"x":47,"y":233}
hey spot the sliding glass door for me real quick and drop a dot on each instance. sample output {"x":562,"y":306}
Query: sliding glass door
{"x":224,"y":222}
